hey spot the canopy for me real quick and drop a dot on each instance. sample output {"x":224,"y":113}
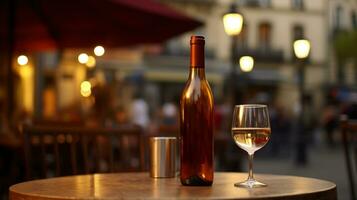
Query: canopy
{"x":44,"y":24}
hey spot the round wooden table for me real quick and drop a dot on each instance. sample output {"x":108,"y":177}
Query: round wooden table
{"x":141,"y":186}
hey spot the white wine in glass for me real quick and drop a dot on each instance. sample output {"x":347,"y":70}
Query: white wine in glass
{"x":251,"y":131}
{"x":251,"y":139}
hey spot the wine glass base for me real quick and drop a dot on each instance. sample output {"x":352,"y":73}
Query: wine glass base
{"x":250,"y":184}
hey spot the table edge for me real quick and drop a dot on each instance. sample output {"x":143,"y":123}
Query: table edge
{"x":23,"y":195}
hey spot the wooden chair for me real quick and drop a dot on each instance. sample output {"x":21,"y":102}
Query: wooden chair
{"x":349,"y":140}
{"x":56,"y":151}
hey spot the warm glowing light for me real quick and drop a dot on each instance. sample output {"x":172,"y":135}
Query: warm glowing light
{"x":246,"y":63}
{"x":86,"y":93}
{"x":233,"y":23}
{"x":25,"y":72}
{"x":86,"y":88}
{"x":91,"y":62}
{"x":83,"y":58}
{"x":22,"y":60}
{"x":86,"y":85}
{"x":99,"y":50}
{"x":302,"y":48}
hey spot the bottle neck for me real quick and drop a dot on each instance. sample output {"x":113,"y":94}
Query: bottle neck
{"x":196,"y":72}
{"x":197,"y":55}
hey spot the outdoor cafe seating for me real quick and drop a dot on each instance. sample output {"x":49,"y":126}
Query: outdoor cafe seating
{"x":57,"y":151}
{"x":178,"y":99}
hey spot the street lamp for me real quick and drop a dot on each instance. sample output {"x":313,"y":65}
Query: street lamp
{"x":246,"y":63}
{"x":233,"y":23}
{"x":302,"y":48}
{"x":301,"y":51}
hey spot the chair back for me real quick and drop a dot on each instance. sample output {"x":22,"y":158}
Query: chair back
{"x":349,"y":141}
{"x":57,"y":151}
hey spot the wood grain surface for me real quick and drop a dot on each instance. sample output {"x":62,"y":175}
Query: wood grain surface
{"x":141,"y":186}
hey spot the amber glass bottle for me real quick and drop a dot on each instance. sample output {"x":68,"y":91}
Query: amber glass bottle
{"x":196,"y":122}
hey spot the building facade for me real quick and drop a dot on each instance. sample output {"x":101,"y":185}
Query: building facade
{"x":269,"y":30}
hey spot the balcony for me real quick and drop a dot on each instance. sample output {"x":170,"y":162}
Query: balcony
{"x":263,"y":54}
{"x":253,"y":3}
{"x":258,"y":3}
{"x":184,"y":52}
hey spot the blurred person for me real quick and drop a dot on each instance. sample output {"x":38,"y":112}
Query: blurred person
{"x":229,"y":156}
{"x":281,"y":128}
{"x":102,"y":101}
{"x":139,"y":111}
{"x":121,"y":115}
{"x":169,"y":114}
{"x":330,"y":122}
{"x":220,"y":136}
{"x":351,"y":110}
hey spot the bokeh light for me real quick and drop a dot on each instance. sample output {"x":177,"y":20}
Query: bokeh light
{"x":22,"y":60}
{"x":99,"y":50}
{"x":233,"y":23}
{"x":86,"y":88}
{"x":246,"y":63}
{"x":83,"y":58}
{"x":302,"y":48}
{"x":91,"y":62}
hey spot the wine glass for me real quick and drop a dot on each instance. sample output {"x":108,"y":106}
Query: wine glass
{"x":250,"y":131}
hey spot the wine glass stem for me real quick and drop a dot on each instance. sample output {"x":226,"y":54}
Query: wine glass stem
{"x":250,"y":176}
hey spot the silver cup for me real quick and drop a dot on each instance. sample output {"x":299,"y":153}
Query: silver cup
{"x":162,"y":157}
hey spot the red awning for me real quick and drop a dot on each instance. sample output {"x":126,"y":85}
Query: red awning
{"x":49,"y":24}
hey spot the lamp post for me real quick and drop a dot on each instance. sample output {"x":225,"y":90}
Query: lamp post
{"x":233,"y":23}
{"x":301,"y":51}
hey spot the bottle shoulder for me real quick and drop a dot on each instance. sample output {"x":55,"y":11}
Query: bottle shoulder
{"x":198,"y":84}
{"x":197,"y":91}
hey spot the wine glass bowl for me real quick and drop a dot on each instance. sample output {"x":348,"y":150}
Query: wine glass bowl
{"x":251,"y":131}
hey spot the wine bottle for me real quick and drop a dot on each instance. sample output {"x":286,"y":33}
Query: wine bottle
{"x":196,"y":122}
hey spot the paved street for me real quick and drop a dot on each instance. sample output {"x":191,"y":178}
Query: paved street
{"x":327,"y":164}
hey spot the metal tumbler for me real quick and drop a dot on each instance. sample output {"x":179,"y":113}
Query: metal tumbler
{"x":162,"y":157}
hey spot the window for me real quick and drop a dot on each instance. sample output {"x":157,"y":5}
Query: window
{"x":297,"y":4}
{"x":354,"y":20}
{"x":265,"y":3}
{"x":252,"y":3}
{"x":338,"y":17}
{"x":264,"y":36}
{"x":258,"y":3}
{"x":298,"y":32}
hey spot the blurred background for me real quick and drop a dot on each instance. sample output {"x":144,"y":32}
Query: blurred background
{"x":111,"y":63}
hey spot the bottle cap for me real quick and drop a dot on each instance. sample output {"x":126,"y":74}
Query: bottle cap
{"x":197,"y":39}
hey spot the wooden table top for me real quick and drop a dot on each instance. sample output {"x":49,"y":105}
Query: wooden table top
{"x":141,"y":186}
